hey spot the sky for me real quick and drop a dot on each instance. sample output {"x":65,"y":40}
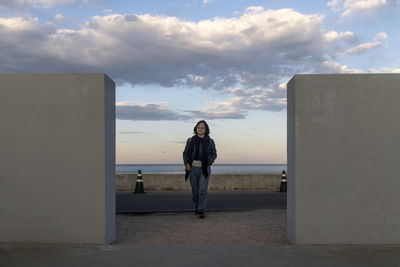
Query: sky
{"x":178,"y":62}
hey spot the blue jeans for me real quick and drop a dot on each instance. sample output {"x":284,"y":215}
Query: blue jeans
{"x":199,"y":187}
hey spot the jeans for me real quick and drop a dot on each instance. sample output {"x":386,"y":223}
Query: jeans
{"x":199,"y":187}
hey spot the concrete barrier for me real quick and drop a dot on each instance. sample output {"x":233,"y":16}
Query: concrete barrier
{"x":176,"y":182}
{"x":57,"y":173}
{"x":343,"y":151}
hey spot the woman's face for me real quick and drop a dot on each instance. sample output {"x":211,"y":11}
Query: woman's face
{"x":201,"y":129}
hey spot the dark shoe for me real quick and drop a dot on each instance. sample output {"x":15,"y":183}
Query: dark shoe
{"x":196,"y":212}
{"x":201,"y":214}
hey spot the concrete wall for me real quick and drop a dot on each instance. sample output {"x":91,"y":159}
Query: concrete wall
{"x":166,"y":182}
{"x":343,"y":153}
{"x":57,"y":156}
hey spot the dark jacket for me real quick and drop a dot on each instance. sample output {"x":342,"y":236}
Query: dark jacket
{"x":212,"y":152}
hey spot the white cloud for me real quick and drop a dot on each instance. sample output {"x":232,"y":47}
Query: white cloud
{"x":336,"y":5}
{"x":362,"y":48}
{"x":350,"y":7}
{"x":333,"y":36}
{"x":264,"y":99}
{"x":255,"y":9}
{"x":380,"y":36}
{"x":335,"y":67}
{"x":252,"y":99}
{"x":59,"y":19}
{"x":141,"y":49}
{"x":254,"y":52}
{"x":19,"y":24}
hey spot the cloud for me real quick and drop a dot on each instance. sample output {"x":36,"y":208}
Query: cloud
{"x":146,"y":111}
{"x":206,"y":2}
{"x":336,"y":5}
{"x":252,"y":49}
{"x":11,"y":4}
{"x":333,"y":36}
{"x":351,"y":7}
{"x":255,"y":99}
{"x":242,"y":100}
{"x":335,"y":67}
{"x":380,"y":36}
{"x":161,"y":111}
{"x":362,"y":48}
{"x":213,"y":114}
{"x":23,"y":4}
{"x":255,"y":9}
{"x":59,"y":19}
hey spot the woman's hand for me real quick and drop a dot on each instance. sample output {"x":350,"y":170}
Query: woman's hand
{"x":187,"y":167}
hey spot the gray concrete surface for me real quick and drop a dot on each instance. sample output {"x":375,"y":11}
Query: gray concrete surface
{"x":343,"y":151}
{"x":202,"y":255}
{"x":57,"y":156}
{"x":250,"y":238}
{"x":176,"y":182}
{"x":223,"y":238}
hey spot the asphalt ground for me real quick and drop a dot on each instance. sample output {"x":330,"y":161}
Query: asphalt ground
{"x":179,"y":201}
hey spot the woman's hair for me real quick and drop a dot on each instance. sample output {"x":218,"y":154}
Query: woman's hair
{"x":205,"y":123}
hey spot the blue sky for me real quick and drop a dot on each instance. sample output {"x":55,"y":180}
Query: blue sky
{"x":176,"y":62}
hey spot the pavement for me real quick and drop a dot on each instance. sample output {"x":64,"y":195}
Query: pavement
{"x":200,"y":255}
{"x":251,"y":232}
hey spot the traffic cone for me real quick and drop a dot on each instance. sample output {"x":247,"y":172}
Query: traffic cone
{"x":283,"y":187}
{"x":139,"y":183}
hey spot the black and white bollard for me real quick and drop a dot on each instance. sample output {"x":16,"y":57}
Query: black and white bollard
{"x":283,"y":187}
{"x":139,"y":189}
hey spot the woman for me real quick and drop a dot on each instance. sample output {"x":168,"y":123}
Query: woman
{"x":198,"y":156}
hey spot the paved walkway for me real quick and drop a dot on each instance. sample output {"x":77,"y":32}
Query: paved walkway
{"x":219,"y":228}
{"x":223,"y":238}
{"x":199,"y":255}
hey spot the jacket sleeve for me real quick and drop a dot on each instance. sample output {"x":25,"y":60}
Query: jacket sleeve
{"x":213,"y":152}
{"x":185,"y":152}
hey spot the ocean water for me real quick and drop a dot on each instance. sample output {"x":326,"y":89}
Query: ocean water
{"x":216,"y":168}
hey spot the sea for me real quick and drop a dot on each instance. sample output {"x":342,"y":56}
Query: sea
{"x":215,"y":168}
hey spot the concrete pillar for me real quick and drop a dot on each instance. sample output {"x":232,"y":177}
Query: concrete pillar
{"x":57,"y":158}
{"x":343,"y":154}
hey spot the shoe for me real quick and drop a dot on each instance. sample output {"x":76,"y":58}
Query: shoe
{"x":201,"y":214}
{"x":196,"y":212}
